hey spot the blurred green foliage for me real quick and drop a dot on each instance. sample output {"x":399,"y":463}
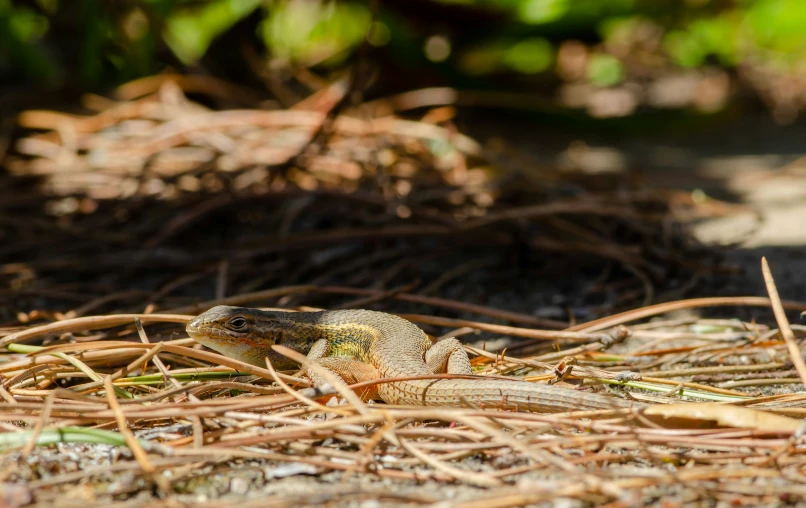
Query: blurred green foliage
{"x":190,"y":31}
{"x":310,"y":33}
{"x":604,"y":70}
{"x":100,"y":43}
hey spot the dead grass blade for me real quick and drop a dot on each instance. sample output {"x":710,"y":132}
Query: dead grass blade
{"x":783,"y":324}
{"x":139,"y":453}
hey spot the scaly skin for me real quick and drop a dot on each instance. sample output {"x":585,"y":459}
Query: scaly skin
{"x":360,"y":344}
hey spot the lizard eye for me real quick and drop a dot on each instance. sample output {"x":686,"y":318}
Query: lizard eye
{"x":237,"y":323}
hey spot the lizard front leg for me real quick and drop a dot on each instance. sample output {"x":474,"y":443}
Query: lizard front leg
{"x":448,"y":356}
{"x":349,"y":370}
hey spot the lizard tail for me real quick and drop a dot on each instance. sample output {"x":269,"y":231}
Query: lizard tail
{"x":499,"y":394}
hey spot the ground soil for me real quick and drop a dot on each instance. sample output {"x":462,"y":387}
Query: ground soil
{"x":753,"y":161}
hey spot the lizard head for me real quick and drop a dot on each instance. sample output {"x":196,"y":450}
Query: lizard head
{"x":242,"y":333}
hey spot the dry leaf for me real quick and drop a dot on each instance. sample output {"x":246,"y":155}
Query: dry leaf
{"x":712,"y":414}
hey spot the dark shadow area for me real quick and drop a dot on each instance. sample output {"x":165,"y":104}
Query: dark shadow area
{"x":749,"y":160}
{"x":537,"y":237}
{"x":419,"y":213}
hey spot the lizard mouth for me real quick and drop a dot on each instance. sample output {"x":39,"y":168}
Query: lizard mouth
{"x":193,"y":329}
{"x":196,"y":332}
{"x":204,"y":340}
{"x":200,"y":338}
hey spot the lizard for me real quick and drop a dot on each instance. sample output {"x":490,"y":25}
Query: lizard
{"x":362,"y":345}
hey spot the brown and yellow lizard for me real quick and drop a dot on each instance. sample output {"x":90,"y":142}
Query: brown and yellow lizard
{"x":361,"y":345}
